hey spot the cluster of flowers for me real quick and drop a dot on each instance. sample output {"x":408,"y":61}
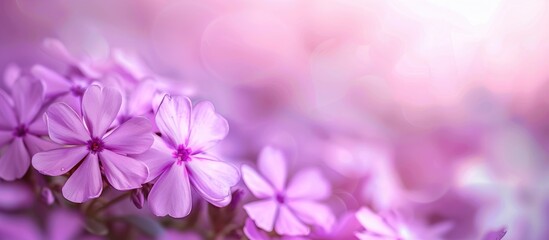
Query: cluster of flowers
{"x":114,"y":124}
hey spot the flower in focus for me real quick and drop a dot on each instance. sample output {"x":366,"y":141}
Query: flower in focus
{"x":179,"y":158}
{"x":89,"y":141}
{"x":392,"y":227}
{"x":286,"y":209}
{"x":21,"y":127}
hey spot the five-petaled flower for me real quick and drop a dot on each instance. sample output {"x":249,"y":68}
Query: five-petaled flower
{"x":286,"y":209}
{"x":21,"y":127}
{"x":90,"y":142}
{"x":179,"y":159}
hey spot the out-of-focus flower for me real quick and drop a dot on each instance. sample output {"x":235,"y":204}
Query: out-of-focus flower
{"x":21,"y":127}
{"x":70,"y":86}
{"x":60,"y":224}
{"x":89,"y":141}
{"x":394,"y":228}
{"x":286,"y":209}
{"x":179,"y":159}
{"x":15,"y":196}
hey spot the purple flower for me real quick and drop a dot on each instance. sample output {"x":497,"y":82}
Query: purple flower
{"x":20,"y":132}
{"x":71,"y":85}
{"x":89,"y":141}
{"x":286,"y":209}
{"x":179,"y":158}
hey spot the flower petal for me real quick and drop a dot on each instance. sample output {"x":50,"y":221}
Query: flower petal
{"x":212,"y":178}
{"x":313,"y":213}
{"x":100,"y":107}
{"x":207,"y":127}
{"x":171,"y":194}
{"x":374,"y":223}
{"x":11,"y":74}
{"x":5,"y":137}
{"x":173,"y":119}
{"x":256,"y":183}
{"x":263,"y":213}
{"x":132,"y":137}
{"x":27,"y":98}
{"x":38,"y":127}
{"x":15,"y":161}
{"x":58,"y":50}
{"x":85,"y":183}
{"x":65,"y":126}
{"x":300,"y":186}
{"x":123,"y":173}
{"x":7,"y":115}
{"x":368,"y":236}
{"x":288,"y":224}
{"x":272,"y":165}
{"x":58,"y":161}
{"x":158,"y":158}
{"x":54,"y":82}
{"x":35,"y":144}
{"x":251,"y":231}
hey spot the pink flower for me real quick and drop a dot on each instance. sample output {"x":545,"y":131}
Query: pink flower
{"x":89,"y":141}
{"x":287,"y":209}
{"x":179,"y":158}
{"x":393,"y":227}
{"x":20,"y":132}
{"x":70,"y":85}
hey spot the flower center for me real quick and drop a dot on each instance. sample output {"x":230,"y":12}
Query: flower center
{"x":78,"y":90}
{"x":280,"y":198}
{"x":20,"y":131}
{"x":182,"y":154}
{"x":95,"y":145}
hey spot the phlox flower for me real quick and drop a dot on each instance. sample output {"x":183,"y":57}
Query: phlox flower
{"x":69,"y":86}
{"x":286,"y":209}
{"x":179,"y":158}
{"x":380,"y":227}
{"x":89,"y":141}
{"x":21,"y":127}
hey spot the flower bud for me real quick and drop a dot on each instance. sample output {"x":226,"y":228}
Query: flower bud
{"x":138,"y":198}
{"x":47,"y":196}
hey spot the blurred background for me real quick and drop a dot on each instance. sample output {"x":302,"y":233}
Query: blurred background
{"x":439,"y":106}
